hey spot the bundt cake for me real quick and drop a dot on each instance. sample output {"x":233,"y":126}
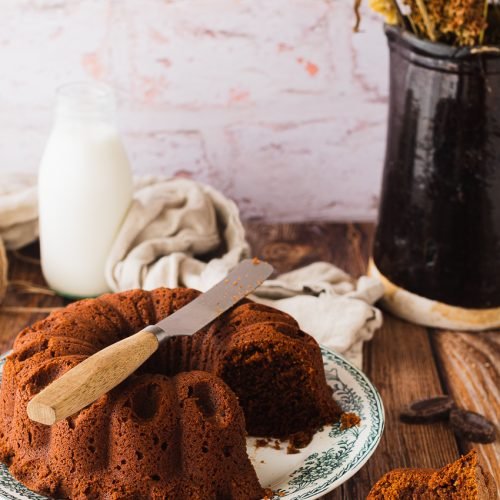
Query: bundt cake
{"x":174,"y":429}
{"x":465,"y":479}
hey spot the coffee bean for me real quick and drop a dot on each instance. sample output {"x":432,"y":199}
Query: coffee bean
{"x":472,"y":426}
{"x":428,"y":410}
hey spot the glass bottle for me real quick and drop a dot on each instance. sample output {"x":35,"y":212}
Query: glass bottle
{"x":85,"y":189}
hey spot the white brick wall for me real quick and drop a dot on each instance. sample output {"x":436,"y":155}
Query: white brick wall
{"x":275,"y":102}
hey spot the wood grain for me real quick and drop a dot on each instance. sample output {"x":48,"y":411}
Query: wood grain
{"x":470,"y":367}
{"x":400,"y":363}
{"x":27,"y":270}
{"x":288,"y":246}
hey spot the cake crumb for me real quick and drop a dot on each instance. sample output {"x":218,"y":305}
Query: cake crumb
{"x":261,"y":443}
{"x":348,"y":420}
{"x":271,"y":443}
{"x":268,"y":494}
{"x":301,"y":439}
{"x":291,"y":449}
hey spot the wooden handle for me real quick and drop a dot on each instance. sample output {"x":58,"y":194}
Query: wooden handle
{"x":92,"y":378}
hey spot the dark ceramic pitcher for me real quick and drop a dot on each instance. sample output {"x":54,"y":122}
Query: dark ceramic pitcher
{"x":438,"y":233}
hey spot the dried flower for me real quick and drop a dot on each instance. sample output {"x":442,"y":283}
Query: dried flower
{"x":425,"y":15}
{"x":460,"y":22}
{"x":457,"y":22}
{"x":387,"y":9}
{"x":465,"y":20}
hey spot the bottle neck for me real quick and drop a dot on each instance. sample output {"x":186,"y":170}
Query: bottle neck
{"x":83,"y":102}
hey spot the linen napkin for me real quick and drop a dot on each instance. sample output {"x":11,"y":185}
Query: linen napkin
{"x":327,"y":303}
{"x":178,"y":232}
{"x":18,"y":209}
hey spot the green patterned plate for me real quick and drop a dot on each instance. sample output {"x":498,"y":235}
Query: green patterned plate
{"x":329,"y":460}
{"x":333,"y":456}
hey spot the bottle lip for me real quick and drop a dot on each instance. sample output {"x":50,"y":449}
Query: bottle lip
{"x":85,"y":100}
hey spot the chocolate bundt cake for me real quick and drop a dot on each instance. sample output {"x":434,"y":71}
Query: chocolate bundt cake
{"x":174,"y":429}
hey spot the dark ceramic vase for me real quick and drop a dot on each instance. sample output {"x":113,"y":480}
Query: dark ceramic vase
{"x":438,"y":233}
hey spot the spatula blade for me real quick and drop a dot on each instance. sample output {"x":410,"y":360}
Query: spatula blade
{"x":242,"y":280}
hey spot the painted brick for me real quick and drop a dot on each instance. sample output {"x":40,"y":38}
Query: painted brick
{"x":277,"y":103}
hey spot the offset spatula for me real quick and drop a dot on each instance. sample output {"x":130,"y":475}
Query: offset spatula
{"x":104,"y":370}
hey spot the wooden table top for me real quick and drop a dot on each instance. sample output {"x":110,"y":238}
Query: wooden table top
{"x":405,"y":362}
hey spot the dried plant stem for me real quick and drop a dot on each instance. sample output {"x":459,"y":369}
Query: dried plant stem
{"x":431,"y":33}
{"x":27,"y":287}
{"x":357,"y":6}
{"x":399,"y":13}
{"x":412,"y":24}
{"x":25,"y":258}
{"x":4,"y":264}
{"x":483,"y":31}
{"x":26,"y":310}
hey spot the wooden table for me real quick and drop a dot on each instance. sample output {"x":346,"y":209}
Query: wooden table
{"x":404,"y":361}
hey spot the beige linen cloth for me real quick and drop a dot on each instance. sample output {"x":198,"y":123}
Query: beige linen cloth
{"x":18,"y":210}
{"x":182,"y":233}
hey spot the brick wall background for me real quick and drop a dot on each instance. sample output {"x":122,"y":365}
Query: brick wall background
{"x":275,"y":102}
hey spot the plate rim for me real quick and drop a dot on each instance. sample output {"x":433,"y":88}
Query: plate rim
{"x":302,"y":494}
{"x":375,"y":443}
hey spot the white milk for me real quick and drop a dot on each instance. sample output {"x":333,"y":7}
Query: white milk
{"x":85,"y":189}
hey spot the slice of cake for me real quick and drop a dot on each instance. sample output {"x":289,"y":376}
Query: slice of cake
{"x":464,"y":479}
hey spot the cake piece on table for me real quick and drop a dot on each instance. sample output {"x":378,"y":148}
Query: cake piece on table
{"x":464,"y":479}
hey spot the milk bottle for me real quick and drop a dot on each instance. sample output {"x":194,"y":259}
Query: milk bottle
{"x":85,"y":189}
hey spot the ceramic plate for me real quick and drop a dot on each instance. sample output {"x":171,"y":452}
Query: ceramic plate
{"x":329,"y":460}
